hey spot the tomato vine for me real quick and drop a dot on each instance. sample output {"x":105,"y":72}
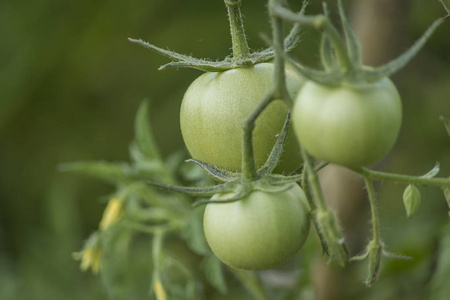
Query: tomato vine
{"x":142,"y":202}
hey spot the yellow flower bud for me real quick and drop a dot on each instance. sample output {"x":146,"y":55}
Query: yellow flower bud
{"x":91,"y":255}
{"x":159,"y":290}
{"x":112,"y":213}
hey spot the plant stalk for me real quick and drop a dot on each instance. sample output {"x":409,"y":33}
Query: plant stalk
{"x":325,"y":221}
{"x":373,"y":210}
{"x":248,"y":125}
{"x":314,"y":181}
{"x":439,"y":181}
{"x":241,"y":50}
{"x":279,"y":76}
{"x":321,"y":23}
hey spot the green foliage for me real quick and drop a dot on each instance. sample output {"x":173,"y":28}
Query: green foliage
{"x":69,"y":92}
{"x":193,"y":232}
{"x":214,"y":273}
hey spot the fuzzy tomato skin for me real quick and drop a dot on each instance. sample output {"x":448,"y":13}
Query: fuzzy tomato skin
{"x":261,"y":231}
{"x":216,"y":103}
{"x":352,"y":126}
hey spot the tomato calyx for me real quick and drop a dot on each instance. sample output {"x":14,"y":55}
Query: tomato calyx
{"x":239,"y":58}
{"x":238,"y":187}
{"x":331,"y":239}
{"x":341,"y":54}
{"x":374,"y":252}
{"x":228,"y":63}
{"x":265,"y":171}
{"x":219,"y":174}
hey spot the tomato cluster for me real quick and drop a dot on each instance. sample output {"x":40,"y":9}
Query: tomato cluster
{"x":349,"y":124}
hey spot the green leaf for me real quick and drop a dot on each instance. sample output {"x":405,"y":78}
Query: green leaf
{"x":294,"y":35}
{"x":332,"y":237}
{"x":193,"y":232}
{"x":170,"y":54}
{"x":398,"y":63}
{"x":185,"y":61}
{"x":353,"y":47}
{"x":144,"y":139}
{"x":446,"y":5}
{"x":446,"y":123}
{"x":374,"y":254}
{"x":314,"y":75}
{"x":411,"y":199}
{"x":110,"y":172}
{"x":277,"y":149}
{"x":217,"y":173}
{"x":117,"y":268}
{"x":327,"y":54}
{"x":213,"y":269}
{"x":206,"y":191}
{"x":433,"y":172}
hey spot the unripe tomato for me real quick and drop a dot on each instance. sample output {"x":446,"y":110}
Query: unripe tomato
{"x":216,"y":103}
{"x":349,"y":125}
{"x":260,"y":231}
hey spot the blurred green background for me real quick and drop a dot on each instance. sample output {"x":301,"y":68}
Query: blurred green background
{"x":70,"y":85}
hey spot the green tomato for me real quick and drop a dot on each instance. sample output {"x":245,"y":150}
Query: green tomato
{"x":352,"y":126}
{"x":260,"y":231}
{"x":216,"y":103}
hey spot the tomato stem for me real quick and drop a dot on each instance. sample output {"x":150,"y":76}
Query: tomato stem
{"x":278,"y":44}
{"x":325,"y":220}
{"x":373,"y":209}
{"x":241,"y":50}
{"x":314,"y":181}
{"x":375,"y":248}
{"x":312,"y":206}
{"x":248,"y":125}
{"x":321,"y":23}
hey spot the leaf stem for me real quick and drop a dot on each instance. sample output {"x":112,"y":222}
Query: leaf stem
{"x":371,"y":174}
{"x":312,"y":206}
{"x":238,"y":39}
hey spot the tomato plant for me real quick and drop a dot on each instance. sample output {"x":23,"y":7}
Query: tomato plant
{"x":350,"y":125}
{"x":235,"y":123}
{"x":216,"y":103}
{"x":261,"y":231}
